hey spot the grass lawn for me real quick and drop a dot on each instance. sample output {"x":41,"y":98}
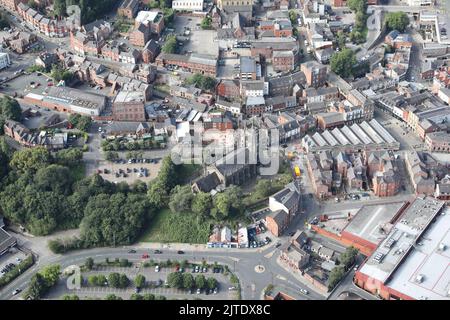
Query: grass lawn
{"x":174,"y":227}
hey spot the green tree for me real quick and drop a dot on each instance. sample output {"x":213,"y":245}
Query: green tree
{"x":156,"y":194}
{"x":188,"y":280}
{"x":208,"y":83}
{"x":397,"y":21}
{"x":206,"y":23}
{"x":357,"y":5}
{"x":59,"y":8}
{"x":54,"y":178}
{"x":89,"y":263}
{"x":112,"y":297}
{"x":348,"y":258}
{"x":139,"y":281}
{"x":341,"y":39}
{"x":114,"y":219}
{"x":123,"y":281}
{"x":170,"y":46}
{"x":175,"y":280}
{"x":51,"y":274}
{"x":59,"y":74}
{"x":93,"y":280}
{"x":111,"y":155}
{"x":167,"y":174}
{"x":136,"y":296}
{"x":200,"y":281}
{"x":343,"y":62}
{"x":180,"y":199}
{"x":114,"y":280}
{"x":38,"y":287}
{"x":293,"y":16}
{"x":101,"y":280}
{"x":69,"y":157}
{"x":263,"y":188}
{"x":202,"y":203}
{"x":148,"y":296}
{"x":10,"y":109}
{"x":30,"y":159}
{"x":335,"y":276}
{"x":211,"y":283}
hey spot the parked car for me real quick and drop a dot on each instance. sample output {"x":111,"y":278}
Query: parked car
{"x":157,"y":269}
{"x":180,"y":252}
{"x":157,"y":251}
{"x":145,"y":256}
{"x":199,"y":291}
{"x":132,"y":251}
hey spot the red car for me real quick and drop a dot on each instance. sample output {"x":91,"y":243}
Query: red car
{"x":145,"y":256}
{"x":177,"y":268}
{"x":50,"y":84}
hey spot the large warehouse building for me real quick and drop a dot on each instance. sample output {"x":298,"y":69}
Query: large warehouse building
{"x":365,"y":136}
{"x":364,"y":229}
{"x":412,"y":262}
{"x":68,"y":100}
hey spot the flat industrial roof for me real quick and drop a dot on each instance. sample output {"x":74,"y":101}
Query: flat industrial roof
{"x":429,"y":263}
{"x":369,"y":220}
{"x":413,"y":245}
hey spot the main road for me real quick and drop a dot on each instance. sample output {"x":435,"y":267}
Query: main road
{"x":242,"y":262}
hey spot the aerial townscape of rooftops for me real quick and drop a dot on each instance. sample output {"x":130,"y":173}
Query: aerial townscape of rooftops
{"x":224,"y":150}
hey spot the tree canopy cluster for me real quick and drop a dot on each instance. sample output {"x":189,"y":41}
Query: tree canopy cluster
{"x":358,"y":34}
{"x":171,"y":45}
{"x":43,"y":281}
{"x":343,"y":62}
{"x":206,"y":23}
{"x":80,"y":122}
{"x":397,"y":21}
{"x":40,"y":193}
{"x":188,"y":281}
{"x":90,"y":9}
{"x":200,"y":81}
{"x":59,"y":74}
{"x":9,"y":110}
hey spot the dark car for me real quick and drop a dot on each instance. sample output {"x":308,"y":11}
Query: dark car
{"x":132,"y":251}
{"x":157,"y":252}
{"x":278,"y":245}
{"x":180,"y":252}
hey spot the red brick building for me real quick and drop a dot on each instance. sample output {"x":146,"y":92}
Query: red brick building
{"x":128,"y":8}
{"x":228,"y":89}
{"x":196,"y":63}
{"x":283,"y":61}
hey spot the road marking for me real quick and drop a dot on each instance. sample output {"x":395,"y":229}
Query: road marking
{"x":270,"y":254}
{"x":281,"y":277}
